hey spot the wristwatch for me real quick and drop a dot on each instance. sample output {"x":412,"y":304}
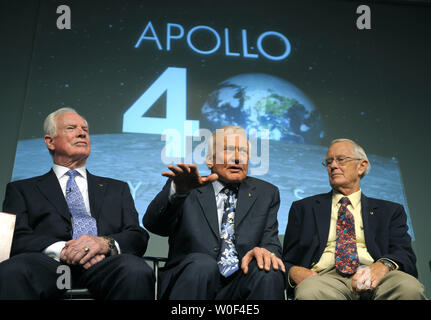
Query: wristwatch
{"x":112,"y":247}
{"x":387,"y":263}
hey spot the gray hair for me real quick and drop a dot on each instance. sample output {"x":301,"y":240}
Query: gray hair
{"x":358,"y":152}
{"x":50,"y":124}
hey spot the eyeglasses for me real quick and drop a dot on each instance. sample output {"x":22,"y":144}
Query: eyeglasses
{"x":339,"y":160}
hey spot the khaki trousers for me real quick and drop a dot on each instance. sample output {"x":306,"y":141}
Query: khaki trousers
{"x":331,"y":285}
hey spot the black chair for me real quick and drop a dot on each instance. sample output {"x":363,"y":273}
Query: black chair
{"x":77,"y":294}
{"x":156,"y":265}
{"x":84,"y":294}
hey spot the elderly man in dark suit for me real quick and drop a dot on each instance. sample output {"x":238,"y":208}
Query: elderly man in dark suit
{"x":222,"y":229}
{"x":69,"y":216}
{"x":344,"y":245}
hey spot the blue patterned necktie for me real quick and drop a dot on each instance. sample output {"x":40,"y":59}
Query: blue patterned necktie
{"x":228,"y":257}
{"x":346,"y":253}
{"x":83,"y":223}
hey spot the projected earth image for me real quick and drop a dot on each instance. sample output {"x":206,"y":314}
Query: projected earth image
{"x":254,"y":101}
{"x":261,"y":101}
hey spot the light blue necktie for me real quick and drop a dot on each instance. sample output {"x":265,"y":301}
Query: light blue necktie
{"x":83,"y":223}
{"x":228,"y":257}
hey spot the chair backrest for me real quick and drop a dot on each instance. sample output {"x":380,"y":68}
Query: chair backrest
{"x":7,"y":226}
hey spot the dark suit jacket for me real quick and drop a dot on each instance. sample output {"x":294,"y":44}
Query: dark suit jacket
{"x":43,"y":216}
{"x":192,"y":225}
{"x":385,"y":229}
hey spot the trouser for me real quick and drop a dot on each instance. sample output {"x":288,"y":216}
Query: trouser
{"x":34,"y":276}
{"x":197,"y":277}
{"x":329,"y":284}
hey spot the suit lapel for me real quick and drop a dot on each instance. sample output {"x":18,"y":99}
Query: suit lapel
{"x":367,"y":210}
{"x":322,"y":213}
{"x":96,"y":193}
{"x":208,"y":204}
{"x":246,"y":198}
{"x":50,"y":187}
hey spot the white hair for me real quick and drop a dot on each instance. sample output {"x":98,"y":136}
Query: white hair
{"x":358,"y":152}
{"x":50,"y":124}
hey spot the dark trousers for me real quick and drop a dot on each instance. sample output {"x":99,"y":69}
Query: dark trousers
{"x":34,"y":276}
{"x":197,"y":277}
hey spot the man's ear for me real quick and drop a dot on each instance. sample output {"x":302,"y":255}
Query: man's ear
{"x":49,"y":141}
{"x":363,"y":165}
{"x":209,"y":162}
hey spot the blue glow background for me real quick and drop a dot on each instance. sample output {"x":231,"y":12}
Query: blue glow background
{"x":294,"y":168}
{"x":96,"y":69}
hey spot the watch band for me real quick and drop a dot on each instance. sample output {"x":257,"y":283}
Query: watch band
{"x":387,"y":263}
{"x":111,"y":244}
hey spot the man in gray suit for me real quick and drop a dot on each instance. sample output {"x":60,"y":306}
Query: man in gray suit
{"x":222,"y":229}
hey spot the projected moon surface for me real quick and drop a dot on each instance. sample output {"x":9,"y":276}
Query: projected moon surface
{"x":135,"y":158}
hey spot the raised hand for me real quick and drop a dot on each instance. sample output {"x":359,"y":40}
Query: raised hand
{"x":187,"y":177}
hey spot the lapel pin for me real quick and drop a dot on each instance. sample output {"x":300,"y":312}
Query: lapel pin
{"x":371,"y":212}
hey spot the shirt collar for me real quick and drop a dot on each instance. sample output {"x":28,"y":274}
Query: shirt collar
{"x":217,"y":186}
{"x":355,"y":198}
{"x":60,"y":171}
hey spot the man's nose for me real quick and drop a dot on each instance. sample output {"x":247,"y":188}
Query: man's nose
{"x":82,"y":132}
{"x":236,"y":155}
{"x":333,"y":165}
{"x":233,"y":157}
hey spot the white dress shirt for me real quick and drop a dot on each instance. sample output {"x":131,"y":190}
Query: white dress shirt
{"x":328,"y":256}
{"x":80,"y":179}
{"x":54,"y":250}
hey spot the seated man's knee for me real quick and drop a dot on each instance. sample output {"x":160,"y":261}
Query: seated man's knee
{"x":10,"y":272}
{"x":28,"y":276}
{"x":135,"y":266}
{"x":273,"y":277}
{"x":407,"y":287}
{"x":17,"y":266}
{"x":263,"y":284}
{"x":195,"y":277}
{"x":412,"y":290}
{"x":309,"y":289}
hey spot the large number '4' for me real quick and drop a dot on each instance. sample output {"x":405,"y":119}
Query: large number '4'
{"x":173,"y":82}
